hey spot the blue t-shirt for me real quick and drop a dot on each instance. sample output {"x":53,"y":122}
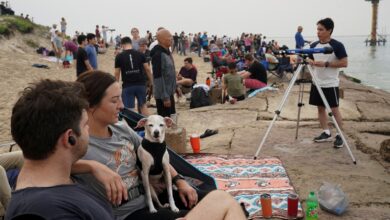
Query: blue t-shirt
{"x":205,"y":40}
{"x":299,"y":41}
{"x":92,"y":55}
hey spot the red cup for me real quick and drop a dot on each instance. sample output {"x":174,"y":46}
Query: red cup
{"x":266,"y":205}
{"x":195,"y":143}
{"x":292,"y":206}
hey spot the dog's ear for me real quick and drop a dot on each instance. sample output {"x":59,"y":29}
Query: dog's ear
{"x":168,"y":121}
{"x":141,"y":123}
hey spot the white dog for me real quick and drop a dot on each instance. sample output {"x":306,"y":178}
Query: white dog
{"x":154,"y":159}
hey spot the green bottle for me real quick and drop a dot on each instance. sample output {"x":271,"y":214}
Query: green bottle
{"x":312,"y":207}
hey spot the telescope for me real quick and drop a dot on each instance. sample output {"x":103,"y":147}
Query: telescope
{"x":324,"y":50}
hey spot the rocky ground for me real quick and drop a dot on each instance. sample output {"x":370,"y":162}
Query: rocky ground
{"x":242,"y":126}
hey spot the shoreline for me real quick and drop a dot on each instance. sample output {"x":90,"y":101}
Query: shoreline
{"x":358,"y":81}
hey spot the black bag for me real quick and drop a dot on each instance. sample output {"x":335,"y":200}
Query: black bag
{"x":199,"y":98}
{"x":51,"y":53}
{"x":40,"y":50}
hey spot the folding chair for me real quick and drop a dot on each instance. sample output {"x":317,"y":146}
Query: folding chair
{"x":219,"y":66}
{"x":284,"y":66}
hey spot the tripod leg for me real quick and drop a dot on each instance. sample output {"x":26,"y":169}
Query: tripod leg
{"x":279,"y":110}
{"x":300,"y":104}
{"x":329,"y":110}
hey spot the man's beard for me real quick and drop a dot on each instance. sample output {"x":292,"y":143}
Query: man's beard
{"x":80,"y":149}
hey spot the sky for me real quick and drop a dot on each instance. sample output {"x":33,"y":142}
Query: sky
{"x":272,"y":18}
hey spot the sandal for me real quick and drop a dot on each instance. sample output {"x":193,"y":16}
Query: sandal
{"x":208,"y":133}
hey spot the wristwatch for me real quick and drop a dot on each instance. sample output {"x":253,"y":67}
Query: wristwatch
{"x":326,"y":64}
{"x":176,"y":178}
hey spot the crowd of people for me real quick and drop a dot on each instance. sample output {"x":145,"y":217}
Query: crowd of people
{"x":83,"y":136}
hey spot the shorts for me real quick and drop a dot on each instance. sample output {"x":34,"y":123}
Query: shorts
{"x":331,"y":95}
{"x":131,"y":92}
{"x":254,"y":84}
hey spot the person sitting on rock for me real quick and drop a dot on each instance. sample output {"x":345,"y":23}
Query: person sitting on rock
{"x":187,"y":76}
{"x":256,"y":75}
{"x":233,"y":84}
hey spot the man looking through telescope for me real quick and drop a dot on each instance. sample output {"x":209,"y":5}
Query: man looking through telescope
{"x":326,"y":71}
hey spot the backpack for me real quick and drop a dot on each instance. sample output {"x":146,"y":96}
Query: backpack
{"x":199,"y":98}
{"x":66,"y":64}
{"x":51,"y":54}
{"x":40,"y":50}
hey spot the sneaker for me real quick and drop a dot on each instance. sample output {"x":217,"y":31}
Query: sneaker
{"x":323,"y":137}
{"x":338,"y":142}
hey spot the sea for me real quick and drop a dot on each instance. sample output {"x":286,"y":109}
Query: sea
{"x":370,"y":64}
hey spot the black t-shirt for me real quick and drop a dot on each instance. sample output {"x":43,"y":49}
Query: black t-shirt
{"x":258,"y":72}
{"x":72,"y":201}
{"x":80,"y":62}
{"x":189,"y":74}
{"x":131,"y":64}
{"x":147,"y":56}
{"x":176,"y":38}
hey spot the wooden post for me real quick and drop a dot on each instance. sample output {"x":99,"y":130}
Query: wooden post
{"x":374,"y":21}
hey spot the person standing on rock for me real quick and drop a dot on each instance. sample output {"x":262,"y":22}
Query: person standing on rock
{"x":299,"y":41}
{"x":53,"y":35}
{"x":327,"y":73}
{"x":164,"y":75}
{"x":82,"y":61}
{"x":133,"y":68}
{"x":63,"y":27}
{"x":91,"y":50}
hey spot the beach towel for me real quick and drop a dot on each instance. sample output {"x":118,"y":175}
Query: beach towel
{"x":246,"y":179}
{"x":261,"y":90}
{"x":50,"y":59}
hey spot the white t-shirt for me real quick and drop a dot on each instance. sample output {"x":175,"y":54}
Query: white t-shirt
{"x":153,"y":44}
{"x":328,"y":76}
{"x":52,"y":34}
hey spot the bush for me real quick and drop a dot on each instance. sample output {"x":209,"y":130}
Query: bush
{"x":4,"y":30}
{"x":21,"y":24}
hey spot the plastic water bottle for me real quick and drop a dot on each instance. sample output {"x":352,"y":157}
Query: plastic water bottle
{"x":312,"y":207}
{"x":219,"y":82}
{"x":212,"y":83}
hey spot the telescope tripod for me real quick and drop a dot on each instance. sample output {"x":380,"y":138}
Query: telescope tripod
{"x":300,"y":104}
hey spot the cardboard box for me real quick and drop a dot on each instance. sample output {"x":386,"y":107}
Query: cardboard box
{"x":215,"y":95}
{"x":176,"y":139}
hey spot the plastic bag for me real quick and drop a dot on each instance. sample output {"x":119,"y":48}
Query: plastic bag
{"x":332,"y":199}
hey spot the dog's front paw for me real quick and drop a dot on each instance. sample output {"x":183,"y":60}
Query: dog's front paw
{"x":174,"y":208}
{"x":152,"y":210}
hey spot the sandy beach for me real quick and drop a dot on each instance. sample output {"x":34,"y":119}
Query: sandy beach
{"x":241,"y":126}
